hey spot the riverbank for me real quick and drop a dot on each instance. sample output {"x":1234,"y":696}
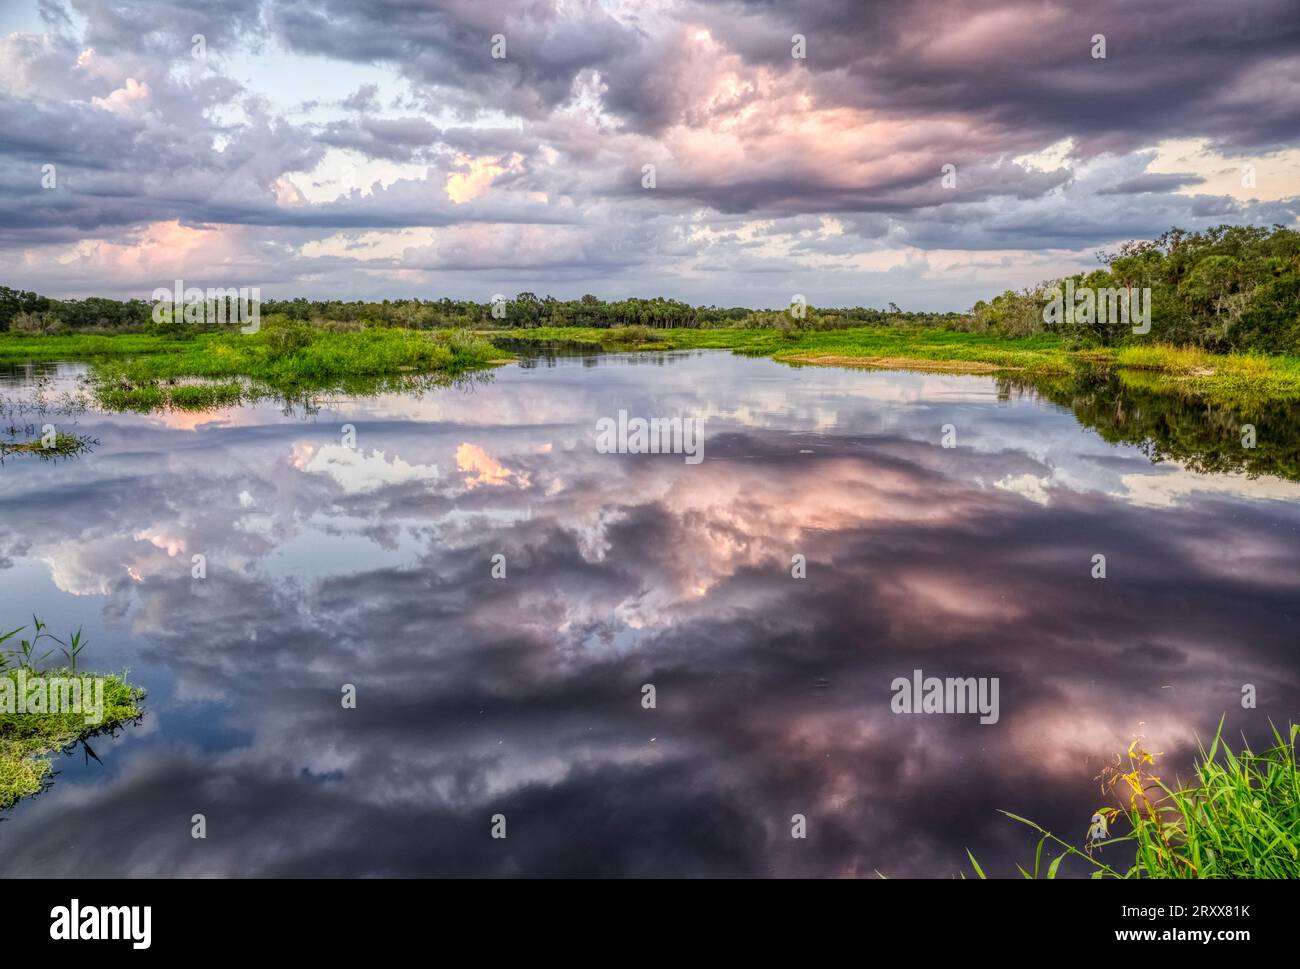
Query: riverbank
{"x":1219,"y":378}
{"x":148,"y":372}
{"x":138,"y":370}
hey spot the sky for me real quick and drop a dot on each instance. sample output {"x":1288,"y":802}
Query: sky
{"x":370,"y":149}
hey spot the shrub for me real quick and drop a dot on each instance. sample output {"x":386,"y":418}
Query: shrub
{"x":630,"y":334}
{"x":36,"y":324}
{"x":285,"y":338}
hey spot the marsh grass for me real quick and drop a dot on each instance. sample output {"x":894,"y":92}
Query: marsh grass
{"x":148,"y":372}
{"x":1240,"y":379}
{"x":28,"y":740}
{"x":631,"y":334}
{"x":1228,"y":379}
{"x":119,"y":395}
{"x":1238,"y":817}
{"x":23,"y":348}
{"x":284,"y":360}
{"x":63,"y":446}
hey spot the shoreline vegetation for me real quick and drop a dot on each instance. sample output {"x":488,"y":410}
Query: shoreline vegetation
{"x":1238,"y":817}
{"x":29,"y":738}
{"x":1242,"y":378}
{"x":146,"y":372}
{"x":210,"y":370}
{"x":1221,"y":322}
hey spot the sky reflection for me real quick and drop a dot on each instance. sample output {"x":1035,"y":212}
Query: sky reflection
{"x":372,"y":566}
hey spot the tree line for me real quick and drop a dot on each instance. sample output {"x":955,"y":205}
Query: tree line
{"x":1225,"y":288}
{"x":31,"y":313}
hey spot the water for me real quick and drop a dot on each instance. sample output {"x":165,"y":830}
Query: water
{"x":522,"y":696}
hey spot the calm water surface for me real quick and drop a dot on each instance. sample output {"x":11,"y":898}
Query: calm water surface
{"x":329,"y":565}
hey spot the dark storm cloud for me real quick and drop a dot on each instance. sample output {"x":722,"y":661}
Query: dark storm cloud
{"x":1172,"y":68}
{"x":449,"y":44}
{"x":1152,"y":182}
{"x":162,"y":28}
{"x":1055,"y":223}
{"x":558,"y":132}
{"x":400,"y":140}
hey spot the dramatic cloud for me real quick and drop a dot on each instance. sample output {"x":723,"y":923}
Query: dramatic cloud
{"x":361,"y":149}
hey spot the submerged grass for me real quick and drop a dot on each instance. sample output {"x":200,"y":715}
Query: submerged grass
{"x":123,"y":395}
{"x":27,"y":739}
{"x":1239,"y":817}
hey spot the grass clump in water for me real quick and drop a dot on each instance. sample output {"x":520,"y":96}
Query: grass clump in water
{"x":37,"y":718}
{"x":206,"y":396}
{"x":47,"y":449}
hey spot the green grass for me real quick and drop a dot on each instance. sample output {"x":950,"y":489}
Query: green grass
{"x":125,"y":395}
{"x":27,"y":740}
{"x":1038,"y":354}
{"x":1240,"y":379}
{"x":210,"y":370}
{"x":63,"y":446}
{"x":618,"y":338}
{"x":1047,"y":353}
{"x":22,"y":348}
{"x":145,"y":372}
{"x":1239,"y":817}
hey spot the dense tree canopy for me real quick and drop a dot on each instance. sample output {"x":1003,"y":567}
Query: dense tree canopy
{"x":1227,"y":288}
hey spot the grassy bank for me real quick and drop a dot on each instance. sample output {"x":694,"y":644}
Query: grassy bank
{"x":209,"y":370}
{"x":135,"y":372}
{"x":22,"y":348}
{"x":1240,"y":378}
{"x":1221,"y":378}
{"x":29,"y":738}
{"x":1238,"y":817}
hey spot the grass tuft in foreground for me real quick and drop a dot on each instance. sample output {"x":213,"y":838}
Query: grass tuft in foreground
{"x":28,"y":737}
{"x":1238,"y":818}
